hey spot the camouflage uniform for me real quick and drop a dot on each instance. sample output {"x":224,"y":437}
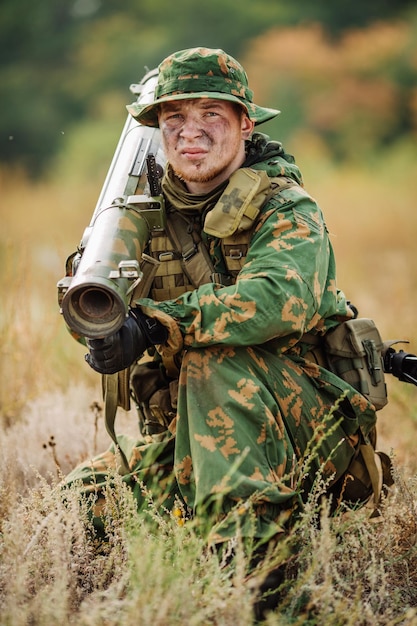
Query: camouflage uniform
{"x":249,"y":405}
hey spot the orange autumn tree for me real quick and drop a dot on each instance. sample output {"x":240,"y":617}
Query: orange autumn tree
{"x":356,"y":93}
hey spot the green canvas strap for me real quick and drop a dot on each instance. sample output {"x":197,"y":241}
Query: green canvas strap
{"x":196,"y":261}
{"x":374,"y":467}
{"x":112,"y":385}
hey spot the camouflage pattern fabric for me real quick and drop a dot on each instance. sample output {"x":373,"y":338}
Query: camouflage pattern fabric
{"x":250,"y":407}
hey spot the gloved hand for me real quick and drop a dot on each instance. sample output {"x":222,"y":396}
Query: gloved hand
{"x":116,"y":352}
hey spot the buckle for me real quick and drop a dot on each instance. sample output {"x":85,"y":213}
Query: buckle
{"x":189,"y":252}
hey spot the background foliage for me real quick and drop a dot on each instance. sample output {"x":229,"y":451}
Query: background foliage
{"x":342,"y":70}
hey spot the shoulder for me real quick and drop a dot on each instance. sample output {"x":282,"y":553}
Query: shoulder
{"x":289,"y":196}
{"x":285,"y":188}
{"x":289,"y":201}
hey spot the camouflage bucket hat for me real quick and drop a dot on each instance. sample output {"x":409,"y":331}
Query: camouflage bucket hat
{"x":200,"y":73}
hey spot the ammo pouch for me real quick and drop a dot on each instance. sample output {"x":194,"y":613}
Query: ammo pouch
{"x":155,"y":395}
{"x":354,"y":353}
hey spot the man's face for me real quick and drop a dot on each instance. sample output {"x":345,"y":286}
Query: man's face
{"x":204,"y":140}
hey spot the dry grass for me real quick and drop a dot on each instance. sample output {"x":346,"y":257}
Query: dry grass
{"x":152,"y":571}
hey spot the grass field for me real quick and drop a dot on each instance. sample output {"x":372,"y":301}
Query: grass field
{"x":157,"y":572}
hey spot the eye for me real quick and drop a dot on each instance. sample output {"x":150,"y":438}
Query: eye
{"x":173,"y":116}
{"x":172,"y":119}
{"x":211,"y":114}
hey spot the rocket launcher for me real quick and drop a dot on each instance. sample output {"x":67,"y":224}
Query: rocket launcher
{"x":109,"y":266}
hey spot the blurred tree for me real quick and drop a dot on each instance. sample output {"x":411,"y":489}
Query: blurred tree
{"x":337,"y":17}
{"x":355,"y":94}
{"x":59,"y":59}
{"x":35,"y":43}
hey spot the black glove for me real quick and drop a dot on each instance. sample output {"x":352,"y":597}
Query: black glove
{"x":116,"y":352}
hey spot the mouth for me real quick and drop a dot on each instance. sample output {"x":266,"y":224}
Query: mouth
{"x":193,"y":154}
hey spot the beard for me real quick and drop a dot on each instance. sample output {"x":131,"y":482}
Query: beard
{"x":209,"y":168}
{"x":205,"y":175}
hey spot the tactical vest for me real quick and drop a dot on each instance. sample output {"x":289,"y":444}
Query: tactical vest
{"x":183,"y":261}
{"x":178,"y":260}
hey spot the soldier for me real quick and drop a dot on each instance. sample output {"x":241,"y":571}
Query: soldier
{"x":230,"y":401}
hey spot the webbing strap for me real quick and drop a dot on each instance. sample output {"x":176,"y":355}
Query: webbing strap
{"x":178,"y":228}
{"x":280,"y":183}
{"x":111,"y":384}
{"x":196,"y":261}
{"x":374,"y":467}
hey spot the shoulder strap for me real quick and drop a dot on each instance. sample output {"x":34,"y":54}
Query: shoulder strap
{"x":279,"y":183}
{"x":114,"y":386}
{"x":196,"y":262}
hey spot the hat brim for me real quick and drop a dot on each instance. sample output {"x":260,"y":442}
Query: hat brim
{"x":147,"y":114}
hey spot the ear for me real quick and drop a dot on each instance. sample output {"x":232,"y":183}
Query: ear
{"x":247,"y":127}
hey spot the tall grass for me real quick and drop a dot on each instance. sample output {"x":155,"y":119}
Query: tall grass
{"x":151,"y":570}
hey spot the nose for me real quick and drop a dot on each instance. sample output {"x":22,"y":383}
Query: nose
{"x":191,"y":127}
